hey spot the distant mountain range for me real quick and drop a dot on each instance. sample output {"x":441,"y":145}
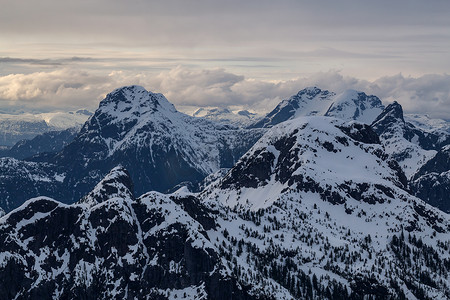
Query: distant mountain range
{"x":316,"y":200}
{"x":242,"y":118}
{"x":14,"y":128}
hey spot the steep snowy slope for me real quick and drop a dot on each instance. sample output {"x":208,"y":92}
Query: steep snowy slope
{"x":317,"y":206}
{"x":315,"y":210}
{"x":410,"y":146}
{"x":160,"y":146}
{"x":112,"y":246}
{"x":312,"y":101}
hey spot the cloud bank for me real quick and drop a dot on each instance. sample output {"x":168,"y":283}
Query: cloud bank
{"x":68,"y":89}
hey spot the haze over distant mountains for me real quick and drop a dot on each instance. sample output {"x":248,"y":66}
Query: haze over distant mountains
{"x":14,"y":128}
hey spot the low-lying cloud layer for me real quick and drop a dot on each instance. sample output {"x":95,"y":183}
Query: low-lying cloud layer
{"x":68,"y":89}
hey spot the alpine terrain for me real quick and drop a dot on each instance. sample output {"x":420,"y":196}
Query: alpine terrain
{"x":317,"y":200}
{"x":312,"y":101}
{"x":161,"y":147}
{"x":16,"y":127}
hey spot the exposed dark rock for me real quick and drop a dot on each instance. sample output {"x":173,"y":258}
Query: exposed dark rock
{"x":361,"y":132}
{"x":116,"y":250}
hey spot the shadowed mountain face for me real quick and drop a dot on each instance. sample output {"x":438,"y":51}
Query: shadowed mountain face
{"x":314,"y":208}
{"x":142,"y":131}
{"x":422,"y":154}
{"x":49,"y":143}
{"x":113,"y":246}
{"x":165,"y":149}
{"x":162,"y":147}
{"x":432,"y":182}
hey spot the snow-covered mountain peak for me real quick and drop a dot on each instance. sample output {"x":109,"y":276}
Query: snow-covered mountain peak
{"x":215,"y":111}
{"x":309,"y":101}
{"x":392,"y":113}
{"x":355,"y":105}
{"x":311,"y":92}
{"x":160,"y":146}
{"x":312,"y":101}
{"x":117,"y":184}
{"x":134,"y":101}
{"x":128,"y":114}
{"x":411,"y":147}
{"x":323,"y":155}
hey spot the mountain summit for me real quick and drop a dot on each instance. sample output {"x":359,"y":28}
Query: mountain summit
{"x":312,"y":101}
{"x":160,"y":146}
{"x":317,"y":208}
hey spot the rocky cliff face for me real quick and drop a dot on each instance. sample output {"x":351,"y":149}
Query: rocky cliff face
{"x":315,"y":209}
{"x":142,"y":131}
{"x":422,"y":154}
{"x":113,"y":246}
{"x":432,"y":182}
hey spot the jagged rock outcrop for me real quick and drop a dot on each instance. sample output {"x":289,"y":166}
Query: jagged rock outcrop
{"x":432,"y":182}
{"x":113,"y":246}
{"x":410,"y":146}
{"x":315,"y":209}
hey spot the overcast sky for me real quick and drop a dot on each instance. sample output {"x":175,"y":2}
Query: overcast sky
{"x":69,"y":54}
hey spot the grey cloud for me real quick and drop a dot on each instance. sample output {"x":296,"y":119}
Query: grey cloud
{"x":11,"y":60}
{"x":45,"y":62}
{"x":428,"y":94}
{"x":221,"y":22}
{"x":71,"y":89}
{"x":371,"y":38}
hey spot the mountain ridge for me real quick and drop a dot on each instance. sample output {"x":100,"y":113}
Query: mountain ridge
{"x":360,"y":236}
{"x":348,"y":105}
{"x":144,"y":132}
